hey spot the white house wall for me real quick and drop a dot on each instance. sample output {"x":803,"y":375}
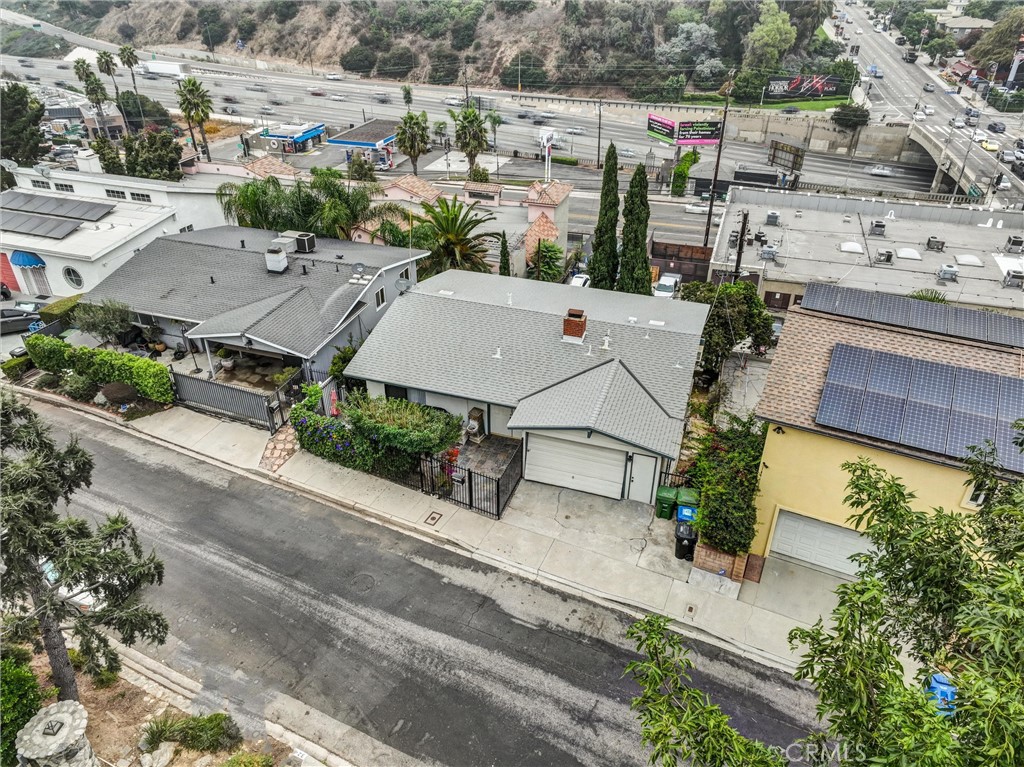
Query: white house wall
{"x":600,"y":440}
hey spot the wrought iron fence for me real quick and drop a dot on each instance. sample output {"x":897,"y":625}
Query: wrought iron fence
{"x":671,"y":479}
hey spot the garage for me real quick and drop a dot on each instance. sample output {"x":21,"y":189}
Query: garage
{"x":589,"y":468}
{"x":818,"y":544}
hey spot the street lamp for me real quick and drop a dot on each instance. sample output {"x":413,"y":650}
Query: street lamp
{"x":447,"y":163}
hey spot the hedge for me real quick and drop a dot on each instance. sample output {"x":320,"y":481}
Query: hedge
{"x":58,"y":310}
{"x":564,"y":160}
{"x":102,"y":366}
{"x":15,"y":368}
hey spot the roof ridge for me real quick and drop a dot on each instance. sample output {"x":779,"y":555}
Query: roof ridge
{"x":606,"y":387}
{"x":282,"y":298}
{"x":640,"y":383}
{"x":569,"y":378}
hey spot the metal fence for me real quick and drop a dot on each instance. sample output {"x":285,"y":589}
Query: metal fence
{"x":224,"y":399}
{"x":55,"y":328}
{"x":671,"y":479}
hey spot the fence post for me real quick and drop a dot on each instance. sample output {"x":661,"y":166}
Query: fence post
{"x":469,"y":481}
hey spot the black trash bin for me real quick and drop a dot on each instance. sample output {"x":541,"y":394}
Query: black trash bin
{"x":686,"y":541}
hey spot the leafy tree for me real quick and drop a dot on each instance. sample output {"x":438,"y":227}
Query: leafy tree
{"x":283,"y":11}
{"x":82,"y":70}
{"x":914,"y":23}
{"x":407,"y":96}
{"x":413,"y":137}
{"x":97,"y":95}
{"x":992,"y":10}
{"x":444,"y":66}
{"x":470,"y":132}
{"x":999,"y":43}
{"x":359,"y":59}
{"x":929,"y":294}
{"x":212,"y":29}
{"x":110,"y":158}
{"x":456,"y":242}
{"x":196,"y":105}
{"x":397,"y":63}
{"x":939,"y":47}
{"x":106,"y":64}
{"x":153,"y":154}
{"x":851,"y":116}
{"x":692,"y":44}
{"x":604,"y":259}
{"x":635,"y":268}
{"x":361,"y":169}
{"x":246,"y":26}
{"x":737,"y":313}
{"x":967,"y":41}
{"x":20,"y":114}
{"x":105,"y":320}
{"x":440,"y":130}
{"x":770,"y":39}
{"x":547,"y":264}
{"x":514,"y":7}
{"x":505,"y":262}
{"x":526,"y":68}
{"x":20,"y":700}
{"x":153,"y":112}
{"x":479,"y":174}
{"x":746,"y":87}
{"x":338,"y":208}
{"x":106,"y":561}
{"x":494,"y":121}
{"x":128,"y":58}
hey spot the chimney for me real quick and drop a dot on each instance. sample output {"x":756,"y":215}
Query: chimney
{"x":277,"y":260}
{"x":574,"y":326}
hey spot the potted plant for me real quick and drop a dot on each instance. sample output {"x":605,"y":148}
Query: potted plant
{"x":227,"y":362}
{"x":154,"y":337}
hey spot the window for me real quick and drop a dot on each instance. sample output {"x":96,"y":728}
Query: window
{"x":37,"y":184}
{"x":140,"y":197}
{"x":395,"y":392}
{"x":975,"y":497}
{"x":72,"y":277}
{"x":63,"y":187}
{"x":146,"y":319}
{"x":381,"y":298}
{"x":405,"y":274}
{"x":115,"y":194}
{"x":188,"y":228}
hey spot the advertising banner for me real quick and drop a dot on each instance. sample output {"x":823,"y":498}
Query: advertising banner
{"x":661,"y":129}
{"x":802,"y":86}
{"x":698,"y":132}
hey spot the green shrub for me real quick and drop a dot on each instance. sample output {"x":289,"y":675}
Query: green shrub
{"x":48,"y":381}
{"x":249,"y":759}
{"x":48,"y":353}
{"x":166,"y":727}
{"x":280,"y":379}
{"x":19,"y":653}
{"x":105,"y":678}
{"x":20,"y":700}
{"x":682,"y":172}
{"x":78,"y":387}
{"x":564,"y":160}
{"x":14,"y":369}
{"x":76,"y":658}
{"x":216,"y":732}
{"x":60,"y":309}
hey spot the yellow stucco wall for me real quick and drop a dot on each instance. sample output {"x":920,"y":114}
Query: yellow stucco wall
{"x":801,"y":472}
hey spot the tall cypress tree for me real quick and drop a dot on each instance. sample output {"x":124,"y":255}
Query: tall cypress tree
{"x":636,"y":212}
{"x":604,"y":261}
{"x":504,"y":265}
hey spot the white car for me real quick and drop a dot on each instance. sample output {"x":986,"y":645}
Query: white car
{"x":920,"y":116}
{"x":667,"y":286}
{"x":860,"y":31}
{"x":267,"y":110}
{"x":337,"y":97}
{"x":332,"y":76}
{"x":580,"y":281}
{"x":452,"y":101}
{"x":929,"y":110}
{"x":576,"y":131}
{"x":880,"y":170}
{"x":1018,"y":154}
{"x":1004,"y":184}
{"x":548,"y":115}
{"x":626,"y":152}
{"x":979,"y":136}
{"x":696,"y":209}
{"x":82,"y":600}
{"x":958,"y":122}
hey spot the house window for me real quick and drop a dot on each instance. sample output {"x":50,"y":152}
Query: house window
{"x":404,"y":275}
{"x":395,"y":392}
{"x":381,"y":299}
{"x":73,"y":277}
{"x":975,"y":497}
{"x":115,"y":194}
{"x":63,"y":187}
{"x":140,"y":197}
{"x":146,"y":319}
{"x":37,"y":184}
{"x":188,"y":228}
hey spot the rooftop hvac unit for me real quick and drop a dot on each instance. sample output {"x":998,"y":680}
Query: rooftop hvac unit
{"x":877,"y":228}
{"x":277,"y":260}
{"x":774,"y":218}
{"x":934,"y":243}
{"x":305,"y":242}
{"x":883,"y":256}
{"x":1013,"y":279}
{"x":760,"y":237}
{"x":769,"y":253}
{"x":948,"y":272}
{"x":1014,"y":244}
{"x":734,"y":239}
{"x":284,"y":244}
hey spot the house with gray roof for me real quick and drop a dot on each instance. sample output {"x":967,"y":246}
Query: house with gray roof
{"x":289,"y":296}
{"x":597,"y":383}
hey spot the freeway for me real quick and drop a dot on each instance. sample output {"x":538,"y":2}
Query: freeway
{"x":440,"y":657}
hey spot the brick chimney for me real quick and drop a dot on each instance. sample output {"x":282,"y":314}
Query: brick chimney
{"x":574,"y":326}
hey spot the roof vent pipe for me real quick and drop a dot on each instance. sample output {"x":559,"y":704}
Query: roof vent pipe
{"x":497,"y":354}
{"x":243,"y":244}
{"x":212,"y":281}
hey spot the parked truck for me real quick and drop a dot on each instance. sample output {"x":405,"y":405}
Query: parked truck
{"x":164,"y":69}
{"x":910,"y":56}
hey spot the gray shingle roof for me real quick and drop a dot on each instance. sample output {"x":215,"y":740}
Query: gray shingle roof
{"x":171,"y":277}
{"x":443,"y":335}
{"x":607,"y":399}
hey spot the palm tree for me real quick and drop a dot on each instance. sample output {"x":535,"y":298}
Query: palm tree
{"x":82,"y":70}
{"x":106,"y":65}
{"x":130,"y":60}
{"x":493,"y":119}
{"x":470,"y":133}
{"x":195,"y":104}
{"x":97,"y":94}
{"x":341,"y":208}
{"x":413,"y":137}
{"x":258,"y":203}
{"x":456,"y":243}
{"x":440,"y":130}
{"x":407,"y":97}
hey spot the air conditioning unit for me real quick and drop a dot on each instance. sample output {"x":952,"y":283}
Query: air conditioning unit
{"x":769,"y":253}
{"x":948,"y":272}
{"x":884,"y":256}
{"x":734,"y":239}
{"x":1015,"y":244}
{"x":475,"y":425}
{"x":284,"y":243}
{"x":934,"y":243}
{"x":305,"y":242}
{"x":774,"y":218}
{"x":1013,"y":279}
{"x":877,"y":228}
{"x":277,"y":260}
{"x":760,"y":237}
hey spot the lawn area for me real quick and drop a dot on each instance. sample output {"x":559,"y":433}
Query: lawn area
{"x":807,"y":105}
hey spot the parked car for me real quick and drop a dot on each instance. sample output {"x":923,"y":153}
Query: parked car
{"x":580,"y":281}
{"x":667,"y":285}
{"x":1018,"y":168}
{"x":901,"y":40}
{"x":1006,"y":155}
{"x":790,"y":110}
{"x":575,"y":130}
{"x":1018,"y":144}
{"x":880,"y":170}
{"x":1018,"y":154}
{"x":16,"y":320}
{"x":997,"y":127}
{"x":332,"y":76}
{"x":81,"y":599}
{"x":929,"y":88}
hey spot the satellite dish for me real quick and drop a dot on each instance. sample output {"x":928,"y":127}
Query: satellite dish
{"x":42,"y":170}
{"x":8,"y":165}
{"x":358,"y":268}
{"x":402,"y":285}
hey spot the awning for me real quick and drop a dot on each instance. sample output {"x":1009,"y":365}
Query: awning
{"x":27,"y":260}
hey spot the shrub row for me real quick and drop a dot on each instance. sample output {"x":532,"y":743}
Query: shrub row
{"x":102,"y":366}
{"x":59,"y":310}
{"x":564,"y":160}
{"x":13,"y":369}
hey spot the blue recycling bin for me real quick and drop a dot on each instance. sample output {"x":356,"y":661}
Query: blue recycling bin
{"x":686,"y":504}
{"x":943,"y":693}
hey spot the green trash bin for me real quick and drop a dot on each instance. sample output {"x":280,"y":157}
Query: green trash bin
{"x":665,"y":505}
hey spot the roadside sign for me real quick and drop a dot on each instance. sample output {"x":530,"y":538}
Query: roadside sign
{"x":698,"y":133}
{"x":661,"y":129}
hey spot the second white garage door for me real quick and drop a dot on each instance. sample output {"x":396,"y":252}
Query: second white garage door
{"x":819,"y":544}
{"x":592,"y":469}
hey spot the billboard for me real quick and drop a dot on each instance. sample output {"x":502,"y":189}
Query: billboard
{"x":786,"y":156}
{"x":661,"y":129}
{"x":698,"y":132}
{"x":802,"y":86}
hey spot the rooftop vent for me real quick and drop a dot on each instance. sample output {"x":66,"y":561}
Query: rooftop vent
{"x":948,"y":272}
{"x":934,"y":243}
{"x":305,"y":242}
{"x":1014,"y":244}
{"x":884,"y":256}
{"x":277,"y":260}
{"x":877,"y":228}
{"x":1014,"y":278}
{"x":769,"y":253}
{"x":774,"y":218}
{"x":574,"y":326}
{"x":284,"y":243}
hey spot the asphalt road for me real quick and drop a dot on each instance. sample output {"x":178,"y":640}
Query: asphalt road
{"x":437,"y":656}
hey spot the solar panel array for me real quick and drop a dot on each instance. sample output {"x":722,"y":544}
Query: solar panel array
{"x":83,"y":210}
{"x":925,"y":405}
{"x":890,"y":309}
{"x":41,"y":226}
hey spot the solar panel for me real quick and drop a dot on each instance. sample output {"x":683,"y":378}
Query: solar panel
{"x":849,"y":365}
{"x":929,"y":316}
{"x":840,"y":406}
{"x":852,"y":302}
{"x":967,"y":323}
{"x":882,"y":416}
{"x":890,"y":374}
{"x":891,"y":309}
{"x":967,"y":430}
{"x":925,"y":426}
{"x":40,"y":226}
{"x":16,"y":200}
{"x":1011,"y":399}
{"x":820,"y":296}
{"x":1006,"y":330}
{"x":976,"y":393}
{"x":932,"y":383}
{"x":1009,"y":454}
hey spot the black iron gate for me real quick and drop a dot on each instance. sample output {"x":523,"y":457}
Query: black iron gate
{"x":224,"y":399}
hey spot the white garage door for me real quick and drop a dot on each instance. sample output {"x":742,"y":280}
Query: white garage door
{"x":592,"y":469}
{"x":816,"y":543}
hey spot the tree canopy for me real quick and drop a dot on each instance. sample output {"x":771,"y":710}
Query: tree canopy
{"x":456,"y":243}
{"x":549,"y":259}
{"x":770,"y":39}
{"x":737,"y":313}
{"x":413,"y":137}
{"x":470,"y":132}
{"x":635,"y":268}
{"x":604,"y":259}
{"x":20,"y":114}
{"x":999,"y":43}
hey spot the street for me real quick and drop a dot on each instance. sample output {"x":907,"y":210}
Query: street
{"x":440,"y":657}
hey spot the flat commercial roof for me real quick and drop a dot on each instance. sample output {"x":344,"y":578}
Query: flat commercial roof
{"x":372,"y":134}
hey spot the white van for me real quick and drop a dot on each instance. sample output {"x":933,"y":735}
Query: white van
{"x":667,"y":286}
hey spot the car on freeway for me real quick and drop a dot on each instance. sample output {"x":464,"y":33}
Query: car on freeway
{"x":317,"y":92}
{"x":230,"y":111}
{"x":381,"y":97}
{"x":548,"y":115}
{"x":276,"y":102}
{"x":929,"y":88}
{"x":957,"y":122}
{"x":332,"y":76}
{"x":27,"y":64}
{"x":626,"y":152}
{"x":989,"y":145}
{"x":255,"y":87}
{"x":63,"y":66}
{"x":995,"y":127}
{"x":576,"y":131}
{"x":452,"y":101}
{"x":150,"y":76}
{"x":524,"y":115}
{"x":17,"y":320}
{"x":230,"y":99}
{"x":538,"y":120}
{"x":880,"y":170}
{"x":979,"y":136}
{"x":266,"y":109}
{"x":337,"y":97}
{"x":32,"y":78}
{"x":580,"y":281}
{"x":790,"y":110}
{"x":928,"y":109}
{"x":698,"y":209}
{"x":920,"y":116}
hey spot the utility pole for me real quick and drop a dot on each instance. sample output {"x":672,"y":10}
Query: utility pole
{"x":718,"y":159}
{"x":599,"y":134}
{"x":465,"y":81}
{"x":520,"y":71}
{"x":739,"y":246}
